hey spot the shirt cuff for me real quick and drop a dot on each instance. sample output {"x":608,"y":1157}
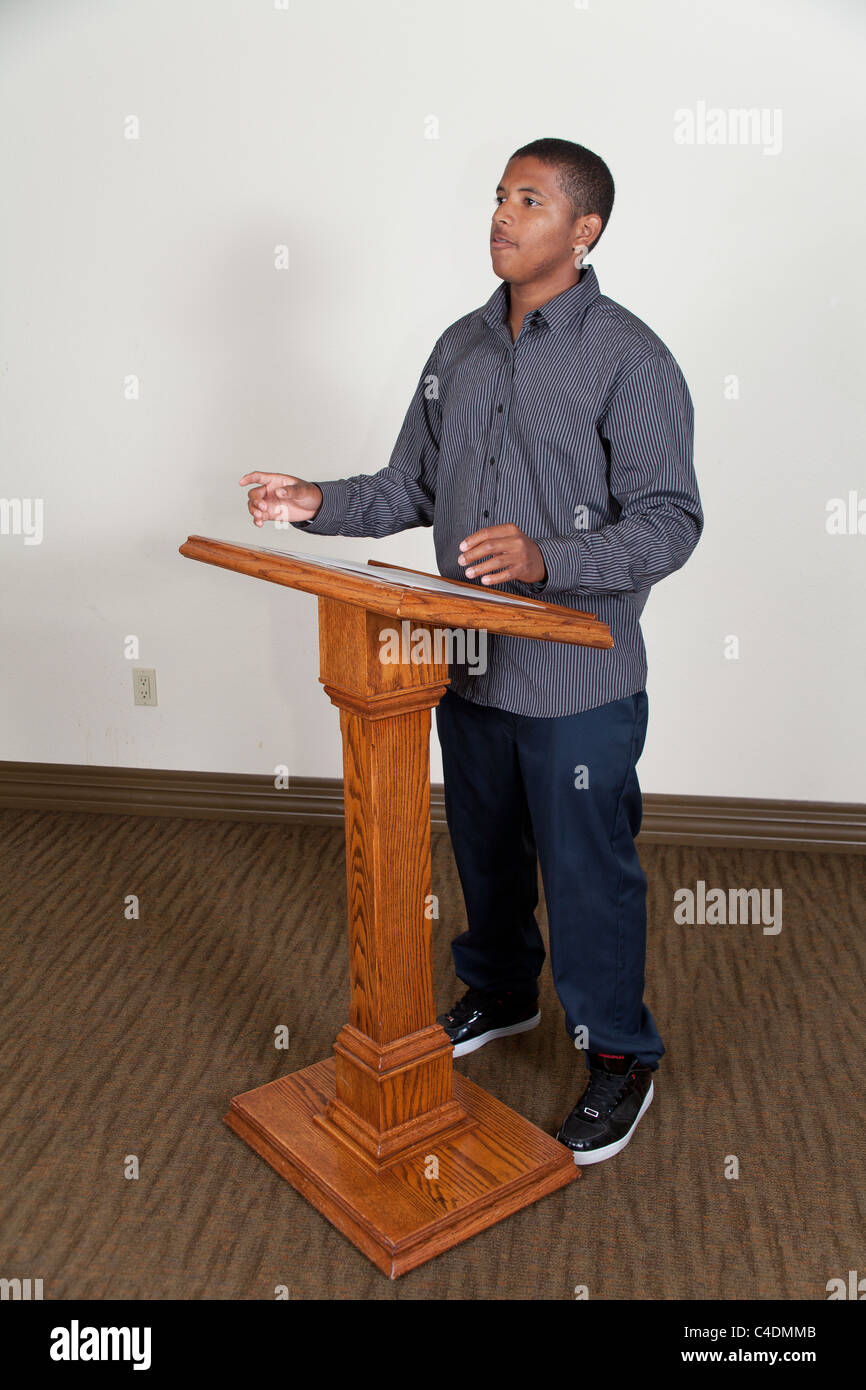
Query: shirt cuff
{"x":562,"y":561}
{"x":332,"y":513}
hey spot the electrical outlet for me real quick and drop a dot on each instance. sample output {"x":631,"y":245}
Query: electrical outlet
{"x":144,"y":685}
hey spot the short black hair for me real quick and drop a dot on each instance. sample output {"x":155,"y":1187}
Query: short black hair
{"x":583,"y":176}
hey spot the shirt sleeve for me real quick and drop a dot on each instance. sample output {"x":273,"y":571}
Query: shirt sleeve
{"x":401,"y":495}
{"x":647,"y":432}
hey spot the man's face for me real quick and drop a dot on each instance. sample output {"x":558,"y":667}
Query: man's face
{"x":532,"y":232}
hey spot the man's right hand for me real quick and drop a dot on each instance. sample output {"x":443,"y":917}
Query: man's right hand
{"x":280,"y":497}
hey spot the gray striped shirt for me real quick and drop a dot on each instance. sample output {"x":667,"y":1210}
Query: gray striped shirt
{"x":581,"y":433}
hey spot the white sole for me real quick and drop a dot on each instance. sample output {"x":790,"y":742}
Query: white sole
{"x":582,"y":1159}
{"x":473,"y":1044}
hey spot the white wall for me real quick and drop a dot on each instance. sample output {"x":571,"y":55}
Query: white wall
{"x":304,"y":125}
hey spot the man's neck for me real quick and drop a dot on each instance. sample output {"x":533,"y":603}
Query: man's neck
{"x":523,"y":299}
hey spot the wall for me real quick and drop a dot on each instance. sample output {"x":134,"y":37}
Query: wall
{"x":262,"y":125}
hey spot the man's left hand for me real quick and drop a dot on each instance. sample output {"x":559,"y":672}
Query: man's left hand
{"x":502,"y":553}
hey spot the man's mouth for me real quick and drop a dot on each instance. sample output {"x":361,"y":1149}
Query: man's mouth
{"x":500,"y":241}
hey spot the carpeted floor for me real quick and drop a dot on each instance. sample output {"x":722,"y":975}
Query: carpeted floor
{"x":128,"y":1037}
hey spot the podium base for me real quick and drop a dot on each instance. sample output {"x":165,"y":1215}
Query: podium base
{"x":492,"y":1164}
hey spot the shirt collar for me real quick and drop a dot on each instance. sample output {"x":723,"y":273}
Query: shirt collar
{"x":557,"y":313}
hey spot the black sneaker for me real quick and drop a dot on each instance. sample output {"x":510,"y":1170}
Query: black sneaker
{"x":482,"y":1015}
{"x":619,"y":1093}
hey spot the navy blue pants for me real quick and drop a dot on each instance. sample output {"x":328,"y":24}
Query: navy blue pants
{"x":564,"y":793}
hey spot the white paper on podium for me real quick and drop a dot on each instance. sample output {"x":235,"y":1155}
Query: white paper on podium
{"x":407,"y":580}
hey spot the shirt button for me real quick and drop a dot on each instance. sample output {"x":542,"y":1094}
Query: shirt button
{"x":499,"y":407}
{"x":485,"y":513}
{"x":493,"y":460}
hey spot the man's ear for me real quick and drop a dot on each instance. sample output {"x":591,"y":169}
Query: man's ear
{"x":586,"y":229}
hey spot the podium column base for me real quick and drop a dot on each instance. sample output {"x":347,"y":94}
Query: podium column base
{"x":399,"y":1217}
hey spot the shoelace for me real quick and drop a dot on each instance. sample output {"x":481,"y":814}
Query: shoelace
{"x":472,"y":999}
{"x":603,"y":1092}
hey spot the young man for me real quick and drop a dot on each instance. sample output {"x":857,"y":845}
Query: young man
{"x":549,"y":444}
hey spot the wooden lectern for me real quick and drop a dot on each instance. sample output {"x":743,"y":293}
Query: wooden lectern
{"x":358,"y":1135}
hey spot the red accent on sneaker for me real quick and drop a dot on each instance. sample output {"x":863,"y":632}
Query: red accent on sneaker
{"x":620,"y":1056}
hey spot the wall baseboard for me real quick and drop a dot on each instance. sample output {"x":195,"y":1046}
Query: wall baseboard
{"x":726,"y":821}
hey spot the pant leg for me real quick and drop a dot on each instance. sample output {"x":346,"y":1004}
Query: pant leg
{"x":594,"y":885}
{"x":494,"y":847}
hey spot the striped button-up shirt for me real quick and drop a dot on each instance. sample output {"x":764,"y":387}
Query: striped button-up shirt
{"x":580,"y":432}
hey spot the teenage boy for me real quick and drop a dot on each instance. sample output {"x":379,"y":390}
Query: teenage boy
{"x":549,"y":444}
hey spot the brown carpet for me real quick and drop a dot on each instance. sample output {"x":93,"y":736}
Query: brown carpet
{"x":129,"y":1037}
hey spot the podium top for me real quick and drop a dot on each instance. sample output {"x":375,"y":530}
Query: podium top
{"x":398,"y":592}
